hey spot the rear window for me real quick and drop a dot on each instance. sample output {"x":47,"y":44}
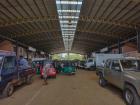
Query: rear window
{"x":90,"y":60}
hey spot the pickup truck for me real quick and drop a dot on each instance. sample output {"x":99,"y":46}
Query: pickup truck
{"x":10,"y":74}
{"x":90,"y":64}
{"x":123,"y":73}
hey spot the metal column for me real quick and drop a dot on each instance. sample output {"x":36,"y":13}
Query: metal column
{"x":108,"y":48}
{"x":119,"y":46}
{"x":138,"y":40}
{"x":27,"y":51}
{"x":16,"y":49}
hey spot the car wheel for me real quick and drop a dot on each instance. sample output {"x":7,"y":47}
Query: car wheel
{"x":102,"y":81}
{"x":131,"y":96}
{"x":8,"y":91}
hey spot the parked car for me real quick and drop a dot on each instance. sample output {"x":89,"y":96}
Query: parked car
{"x":90,"y":64}
{"x":124,"y":73}
{"x":11,"y":74}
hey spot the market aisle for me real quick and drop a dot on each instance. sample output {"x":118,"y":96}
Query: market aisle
{"x":79,"y":89}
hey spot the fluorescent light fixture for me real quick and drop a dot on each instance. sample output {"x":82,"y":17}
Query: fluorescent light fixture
{"x":69,"y":2}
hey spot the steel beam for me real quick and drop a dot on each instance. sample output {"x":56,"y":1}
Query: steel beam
{"x":81,"y":18}
{"x":28,"y":20}
{"x":46,"y":39}
{"x":113,"y":35}
{"x":32,"y":32}
{"x":107,"y":21}
{"x":85,"y":39}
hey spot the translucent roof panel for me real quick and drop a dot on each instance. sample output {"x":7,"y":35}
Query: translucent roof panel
{"x":70,"y":26}
{"x":68,"y":2}
{"x":68,"y":17}
{"x":66,"y":6}
{"x":65,"y":21}
{"x":68,"y":11}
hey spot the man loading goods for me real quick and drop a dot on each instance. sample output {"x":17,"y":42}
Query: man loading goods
{"x":23,"y":63}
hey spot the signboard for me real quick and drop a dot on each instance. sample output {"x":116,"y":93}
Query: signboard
{"x":2,"y":52}
{"x":31,"y":49}
{"x":42,"y":52}
{"x":104,"y":49}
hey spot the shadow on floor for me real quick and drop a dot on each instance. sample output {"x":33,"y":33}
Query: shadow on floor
{"x":16,"y":89}
{"x":114,"y":90}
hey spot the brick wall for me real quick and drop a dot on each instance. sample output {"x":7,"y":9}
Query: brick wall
{"x":9,"y":46}
{"x":6,"y":45}
{"x":129,"y":47}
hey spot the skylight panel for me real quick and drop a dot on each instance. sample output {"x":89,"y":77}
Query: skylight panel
{"x":71,"y":11}
{"x":69,"y":2}
{"x":68,"y":17}
{"x":68,"y":12}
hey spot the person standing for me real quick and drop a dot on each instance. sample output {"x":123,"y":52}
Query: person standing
{"x":23,"y":63}
{"x":45,"y":71}
{"x":103,"y":63}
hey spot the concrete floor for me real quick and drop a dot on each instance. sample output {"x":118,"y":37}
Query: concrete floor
{"x":80,"y":89}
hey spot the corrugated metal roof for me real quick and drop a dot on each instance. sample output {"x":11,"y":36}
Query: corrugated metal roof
{"x":75,"y":25}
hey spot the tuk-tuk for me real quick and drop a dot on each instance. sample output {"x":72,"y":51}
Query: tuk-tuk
{"x":37,"y":65}
{"x":69,"y":68}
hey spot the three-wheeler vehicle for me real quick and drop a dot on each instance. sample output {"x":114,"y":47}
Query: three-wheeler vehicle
{"x":51,"y":71}
{"x":68,"y":68}
{"x":37,"y":65}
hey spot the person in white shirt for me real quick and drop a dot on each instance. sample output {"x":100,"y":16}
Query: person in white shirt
{"x":103,"y":63}
{"x":45,"y":70}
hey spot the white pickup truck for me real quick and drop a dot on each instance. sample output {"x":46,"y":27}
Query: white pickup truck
{"x":98,"y":59}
